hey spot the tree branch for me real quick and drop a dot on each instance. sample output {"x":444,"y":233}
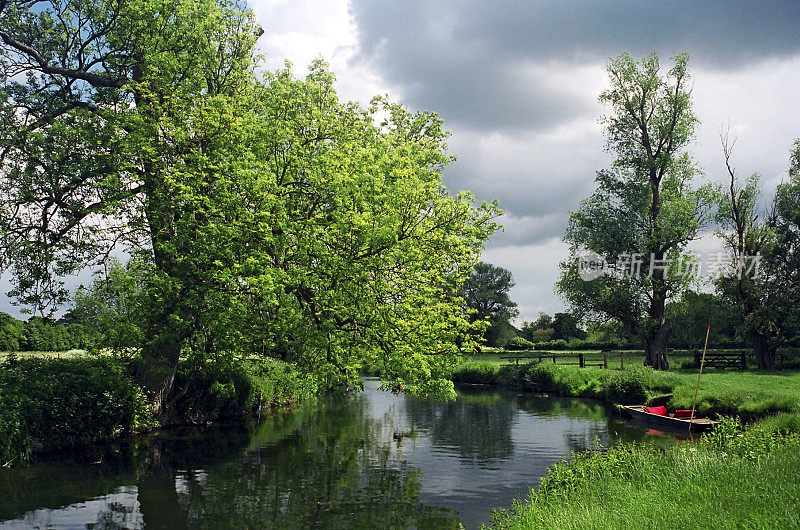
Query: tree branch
{"x":93,"y":79}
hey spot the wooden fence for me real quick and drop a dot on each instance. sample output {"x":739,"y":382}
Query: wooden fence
{"x":582,"y":360}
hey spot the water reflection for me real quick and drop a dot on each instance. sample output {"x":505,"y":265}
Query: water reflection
{"x":372,"y":460}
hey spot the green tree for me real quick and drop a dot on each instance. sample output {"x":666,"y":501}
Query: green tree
{"x":762,"y":279}
{"x":787,"y":256}
{"x":11,"y":333}
{"x":644,"y":209}
{"x":566,"y":326}
{"x":117,"y":127}
{"x":486,"y":296}
{"x":540,"y":330}
{"x":690,"y":315}
{"x":109,"y":313}
{"x":273,"y":217}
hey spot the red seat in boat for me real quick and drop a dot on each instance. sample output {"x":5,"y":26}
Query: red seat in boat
{"x":682,"y":413}
{"x":661,"y":411}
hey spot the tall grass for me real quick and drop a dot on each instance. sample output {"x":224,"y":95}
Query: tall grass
{"x":731,"y":479}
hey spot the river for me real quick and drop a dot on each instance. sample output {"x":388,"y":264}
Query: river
{"x":369,"y":460}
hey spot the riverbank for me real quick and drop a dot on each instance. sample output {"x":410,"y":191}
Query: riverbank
{"x":49,"y":404}
{"x":748,"y":395}
{"x":734,"y":477}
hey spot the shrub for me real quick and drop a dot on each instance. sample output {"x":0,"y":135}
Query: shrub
{"x":519,"y":344}
{"x":476,"y":373}
{"x":47,"y":404}
{"x":544,"y":378}
{"x":509,"y":374}
{"x":626,"y":387}
{"x":210,"y":390}
{"x":556,"y":345}
{"x":577,"y":344}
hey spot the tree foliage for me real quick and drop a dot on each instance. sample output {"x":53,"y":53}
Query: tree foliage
{"x":766,"y":296}
{"x":270,"y":216}
{"x":645,"y":207}
{"x":486,"y":296}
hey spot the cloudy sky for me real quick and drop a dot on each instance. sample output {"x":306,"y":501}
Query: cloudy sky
{"x":517,"y":84}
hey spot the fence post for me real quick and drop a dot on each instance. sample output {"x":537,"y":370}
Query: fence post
{"x":605,"y":361}
{"x":580,"y":360}
{"x":744,"y":361}
{"x":554,"y":358}
{"x":696,"y":359}
{"x":516,"y":358}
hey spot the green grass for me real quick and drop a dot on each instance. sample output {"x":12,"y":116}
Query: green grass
{"x":45,"y":354}
{"x":748,"y":394}
{"x":731,"y":479}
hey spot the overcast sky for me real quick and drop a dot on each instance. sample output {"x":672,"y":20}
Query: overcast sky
{"x":517,"y":84}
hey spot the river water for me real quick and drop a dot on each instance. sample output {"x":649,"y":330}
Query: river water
{"x":370,"y":460}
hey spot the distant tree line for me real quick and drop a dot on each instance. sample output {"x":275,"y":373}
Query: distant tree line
{"x":486,"y":294}
{"x":43,"y":334}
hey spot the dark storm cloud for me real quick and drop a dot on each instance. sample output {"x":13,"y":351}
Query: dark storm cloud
{"x":517,"y":83}
{"x":471,"y":61}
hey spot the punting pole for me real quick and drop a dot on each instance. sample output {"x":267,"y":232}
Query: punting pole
{"x":702,"y":362}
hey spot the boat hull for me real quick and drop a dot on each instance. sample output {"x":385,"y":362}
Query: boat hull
{"x":639,"y":413}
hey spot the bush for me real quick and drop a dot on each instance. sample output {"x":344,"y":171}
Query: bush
{"x":48,"y":404}
{"x":481,"y":373}
{"x":628,"y":387}
{"x":509,"y":374}
{"x":555,"y":345}
{"x":519,"y":344}
{"x":211,"y":390}
{"x":577,"y":344}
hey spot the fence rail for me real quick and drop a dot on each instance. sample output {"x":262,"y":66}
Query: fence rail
{"x":583,"y":362}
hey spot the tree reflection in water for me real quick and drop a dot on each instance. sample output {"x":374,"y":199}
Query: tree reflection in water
{"x":337,"y":463}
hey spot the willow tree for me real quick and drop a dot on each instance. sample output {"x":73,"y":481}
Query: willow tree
{"x":267,"y":215}
{"x":644,"y":210}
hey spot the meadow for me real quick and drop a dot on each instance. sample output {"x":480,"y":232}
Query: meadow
{"x":748,"y":394}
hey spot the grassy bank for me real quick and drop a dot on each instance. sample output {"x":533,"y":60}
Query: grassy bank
{"x":746,"y":394}
{"x":732,"y":478}
{"x":50,"y":403}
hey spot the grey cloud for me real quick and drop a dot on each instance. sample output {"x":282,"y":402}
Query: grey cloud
{"x":471,"y":61}
{"x":529,"y":229}
{"x":533,"y":175}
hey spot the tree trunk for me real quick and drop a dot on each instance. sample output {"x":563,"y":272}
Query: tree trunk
{"x":765,"y":352}
{"x":655,"y":346}
{"x":157,"y":374}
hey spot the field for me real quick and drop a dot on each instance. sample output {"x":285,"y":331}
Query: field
{"x":749,"y":394}
{"x":47,"y":354}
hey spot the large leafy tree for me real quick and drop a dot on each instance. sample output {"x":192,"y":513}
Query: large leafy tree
{"x":365,"y":251}
{"x":644,"y":209}
{"x":765,"y":290}
{"x":119,"y":125}
{"x":272,"y":217}
{"x":486,"y":294}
